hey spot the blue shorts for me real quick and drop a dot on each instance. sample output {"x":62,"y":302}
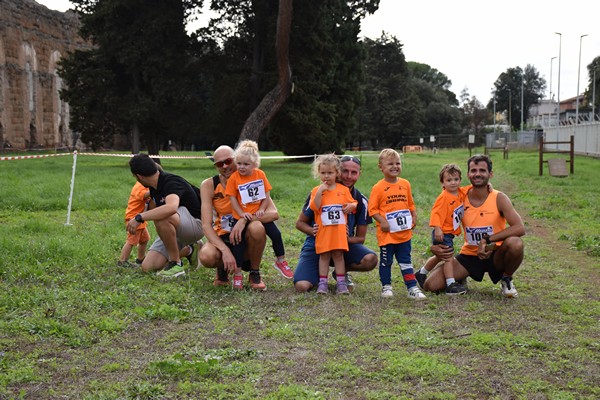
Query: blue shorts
{"x":448,"y":239}
{"x":307,"y":268}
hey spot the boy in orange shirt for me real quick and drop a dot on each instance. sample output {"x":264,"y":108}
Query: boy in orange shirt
{"x":330,"y":201}
{"x":392,"y":206}
{"x":137,"y":204}
{"x":446,"y":216}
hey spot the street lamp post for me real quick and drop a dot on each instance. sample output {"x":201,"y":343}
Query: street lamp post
{"x":509,"y":108}
{"x":558,"y":90}
{"x":594,"y":97}
{"x":495,"y":111}
{"x":522,"y":95}
{"x":578,"y":71}
{"x":550,"y":94}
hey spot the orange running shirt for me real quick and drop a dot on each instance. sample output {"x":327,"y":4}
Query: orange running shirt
{"x":222,"y":210}
{"x":393,"y":201}
{"x":447,"y":211}
{"x":136,"y":203}
{"x":479,"y":220}
{"x":249,"y":190}
{"x":333,"y":230}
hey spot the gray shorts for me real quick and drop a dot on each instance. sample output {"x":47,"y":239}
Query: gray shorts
{"x":189,"y":231}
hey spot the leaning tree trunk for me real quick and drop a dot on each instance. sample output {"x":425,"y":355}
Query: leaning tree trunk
{"x":272,"y":102}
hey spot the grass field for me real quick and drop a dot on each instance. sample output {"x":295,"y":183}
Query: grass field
{"x":74,"y":326}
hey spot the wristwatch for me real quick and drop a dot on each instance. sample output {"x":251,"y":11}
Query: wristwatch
{"x":139,"y":218}
{"x":485,"y":237}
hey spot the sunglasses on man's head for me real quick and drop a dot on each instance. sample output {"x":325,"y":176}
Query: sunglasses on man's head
{"x":350,"y":158}
{"x":220,"y":164}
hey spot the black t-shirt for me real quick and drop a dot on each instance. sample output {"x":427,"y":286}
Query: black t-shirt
{"x":189,"y":195}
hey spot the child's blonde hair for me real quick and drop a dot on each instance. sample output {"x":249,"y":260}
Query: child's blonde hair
{"x":248,"y":148}
{"x":327,"y":159}
{"x":450,"y":169}
{"x":388,"y":153}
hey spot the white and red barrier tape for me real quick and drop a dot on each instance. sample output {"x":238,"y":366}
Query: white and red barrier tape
{"x":8,"y":158}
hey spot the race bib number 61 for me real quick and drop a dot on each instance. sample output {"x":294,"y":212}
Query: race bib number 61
{"x":399,"y":220}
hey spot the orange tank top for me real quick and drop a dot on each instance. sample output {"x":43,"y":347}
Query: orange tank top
{"x":480,"y":220}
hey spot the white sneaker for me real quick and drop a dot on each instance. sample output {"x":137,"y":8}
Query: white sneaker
{"x":508,"y":288}
{"x":416,"y":294}
{"x":387,"y":291}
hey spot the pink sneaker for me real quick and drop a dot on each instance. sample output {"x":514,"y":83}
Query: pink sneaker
{"x":284,"y":269}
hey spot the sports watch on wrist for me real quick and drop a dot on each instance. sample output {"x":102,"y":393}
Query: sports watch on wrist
{"x":139,"y":218}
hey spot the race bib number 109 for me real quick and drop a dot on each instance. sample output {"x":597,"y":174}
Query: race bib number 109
{"x":475,"y":234}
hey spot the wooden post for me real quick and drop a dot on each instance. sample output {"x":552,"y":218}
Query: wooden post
{"x":541,"y":155}
{"x":572,"y":154}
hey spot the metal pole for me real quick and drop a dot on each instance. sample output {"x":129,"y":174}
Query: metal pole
{"x":495,"y":112}
{"x":509,"y":112}
{"x":594,"y":96}
{"x":550,"y":94}
{"x":68,"y":223}
{"x":558,"y":91}
{"x":522,"y":95}
{"x":578,"y":72}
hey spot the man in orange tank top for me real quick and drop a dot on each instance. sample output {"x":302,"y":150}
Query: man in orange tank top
{"x":490,"y":245}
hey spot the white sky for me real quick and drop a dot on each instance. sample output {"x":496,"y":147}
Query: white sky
{"x":473,"y":41}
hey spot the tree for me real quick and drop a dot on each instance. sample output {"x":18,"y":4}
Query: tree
{"x":509,"y":93}
{"x":135,"y":69}
{"x":441,"y":116}
{"x":593,"y":67}
{"x":475,"y":114}
{"x":391,"y":112}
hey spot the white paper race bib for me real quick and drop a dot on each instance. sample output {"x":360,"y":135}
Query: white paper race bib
{"x":475,"y":233}
{"x":227,"y":222}
{"x":332,"y":215}
{"x":399,"y":220}
{"x":457,"y":216}
{"x":252,"y":191}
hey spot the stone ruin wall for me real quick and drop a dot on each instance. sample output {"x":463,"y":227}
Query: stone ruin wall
{"x":32,"y":40}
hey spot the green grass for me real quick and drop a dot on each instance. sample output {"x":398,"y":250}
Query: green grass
{"x":73,"y":325}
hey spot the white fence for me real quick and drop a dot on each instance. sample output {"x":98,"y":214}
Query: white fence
{"x":587,"y":138}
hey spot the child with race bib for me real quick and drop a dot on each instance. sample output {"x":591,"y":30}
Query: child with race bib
{"x":331,"y":201}
{"x":392,"y":206}
{"x":248,"y":189}
{"x":446,"y":217}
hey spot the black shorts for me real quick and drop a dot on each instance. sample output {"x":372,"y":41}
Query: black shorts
{"x":477,"y":267}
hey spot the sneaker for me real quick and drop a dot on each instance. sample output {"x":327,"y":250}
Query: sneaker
{"x":125,"y":264}
{"x":416,"y":294}
{"x":256,"y":282}
{"x":455,"y":288}
{"x":222,"y":278}
{"x":421,"y":279}
{"x":284,"y":269}
{"x":508,"y":287}
{"x":238,"y":282}
{"x":387,"y":291}
{"x":172,"y":270}
{"x":349,"y":281}
{"x":323,"y":288}
{"x":193,"y":261}
{"x":341,"y":288}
